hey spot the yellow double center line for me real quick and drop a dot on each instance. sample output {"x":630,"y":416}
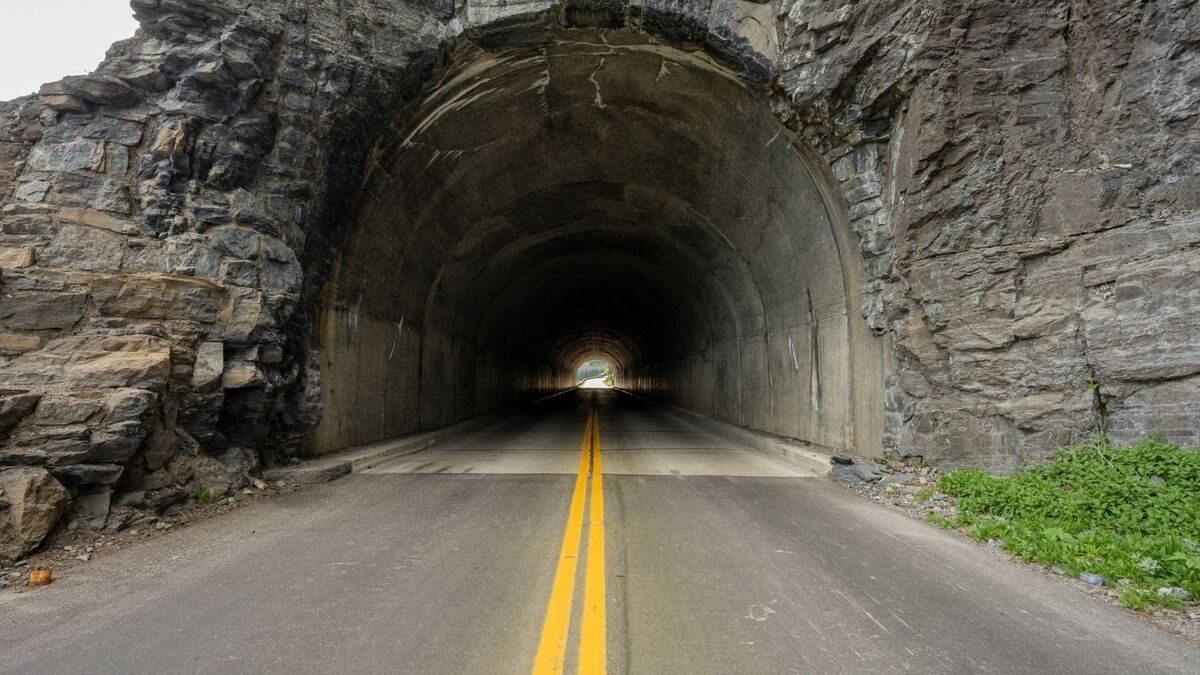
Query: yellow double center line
{"x":551,"y":653}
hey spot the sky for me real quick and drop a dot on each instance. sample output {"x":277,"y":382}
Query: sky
{"x":43,"y":40}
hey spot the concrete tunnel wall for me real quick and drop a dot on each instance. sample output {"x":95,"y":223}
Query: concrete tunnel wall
{"x":602,"y":197}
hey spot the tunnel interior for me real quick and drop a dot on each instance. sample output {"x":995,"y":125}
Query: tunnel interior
{"x":603,"y":196}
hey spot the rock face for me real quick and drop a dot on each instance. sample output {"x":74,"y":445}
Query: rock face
{"x":1020,"y":176}
{"x":31,"y":502}
{"x":1028,"y":213}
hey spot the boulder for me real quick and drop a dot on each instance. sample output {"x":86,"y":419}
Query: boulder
{"x":847,"y":475}
{"x":31,"y":502}
{"x":867,"y":472}
{"x":240,"y":462}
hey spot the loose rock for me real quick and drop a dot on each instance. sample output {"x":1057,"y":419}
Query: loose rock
{"x":31,"y":502}
{"x":1175,"y":592}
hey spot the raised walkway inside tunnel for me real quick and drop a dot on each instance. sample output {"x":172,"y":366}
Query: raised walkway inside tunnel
{"x":717,"y":559}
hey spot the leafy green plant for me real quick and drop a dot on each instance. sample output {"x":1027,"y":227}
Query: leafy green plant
{"x":941,"y":521}
{"x":1129,"y":513}
{"x":204,"y":494}
{"x":1139,"y":600}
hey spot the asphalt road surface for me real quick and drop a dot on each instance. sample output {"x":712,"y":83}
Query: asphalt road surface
{"x":489,"y":554}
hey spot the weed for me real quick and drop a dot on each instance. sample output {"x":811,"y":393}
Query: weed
{"x":1095,"y":508}
{"x":204,"y":494}
{"x":941,"y":521}
{"x":1138,"y":600}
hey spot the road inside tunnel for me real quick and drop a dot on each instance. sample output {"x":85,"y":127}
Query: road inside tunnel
{"x":717,"y":558}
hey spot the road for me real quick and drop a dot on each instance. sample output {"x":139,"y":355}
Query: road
{"x":716,"y":559}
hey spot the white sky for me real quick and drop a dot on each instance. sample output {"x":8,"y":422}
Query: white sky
{"x":43,"y":40}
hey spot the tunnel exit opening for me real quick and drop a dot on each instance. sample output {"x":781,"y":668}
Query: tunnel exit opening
{"x":595,"y":374}
{"x":599,"y":196}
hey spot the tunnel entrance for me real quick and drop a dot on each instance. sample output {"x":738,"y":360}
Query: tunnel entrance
{"x":601,"y":196}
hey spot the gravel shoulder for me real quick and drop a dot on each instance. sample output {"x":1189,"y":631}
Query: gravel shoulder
{"x":66,"y":550}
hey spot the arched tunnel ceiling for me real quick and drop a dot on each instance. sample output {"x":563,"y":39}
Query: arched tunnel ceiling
{"x":598,"y":196}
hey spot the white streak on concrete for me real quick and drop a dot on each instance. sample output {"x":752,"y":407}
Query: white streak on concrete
{"x":864,"y":611}
{"x":663,"y":71}
{"x":399,"y":334}
{"x":599,"y":101}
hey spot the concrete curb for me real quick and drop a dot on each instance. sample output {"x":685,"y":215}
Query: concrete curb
{"x":803,"y":455}
{"x":324,"y":468}
{"x":334,"y":465}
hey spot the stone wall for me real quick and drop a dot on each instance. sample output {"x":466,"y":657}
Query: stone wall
{"x":1021,"y":175}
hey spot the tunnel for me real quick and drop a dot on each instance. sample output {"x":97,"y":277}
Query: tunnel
{"x":601,"y":196}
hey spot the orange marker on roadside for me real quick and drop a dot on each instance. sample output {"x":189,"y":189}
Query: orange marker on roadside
{"x":40,"y":577}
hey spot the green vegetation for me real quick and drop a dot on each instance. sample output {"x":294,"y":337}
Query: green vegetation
{"x":608,"y":381}
{"x":593,"y":368}
{"x":204,"y":494}
{"x":1128,"y":513}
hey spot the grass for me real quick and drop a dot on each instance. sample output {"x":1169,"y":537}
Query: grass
{"x":1129,"y":513}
